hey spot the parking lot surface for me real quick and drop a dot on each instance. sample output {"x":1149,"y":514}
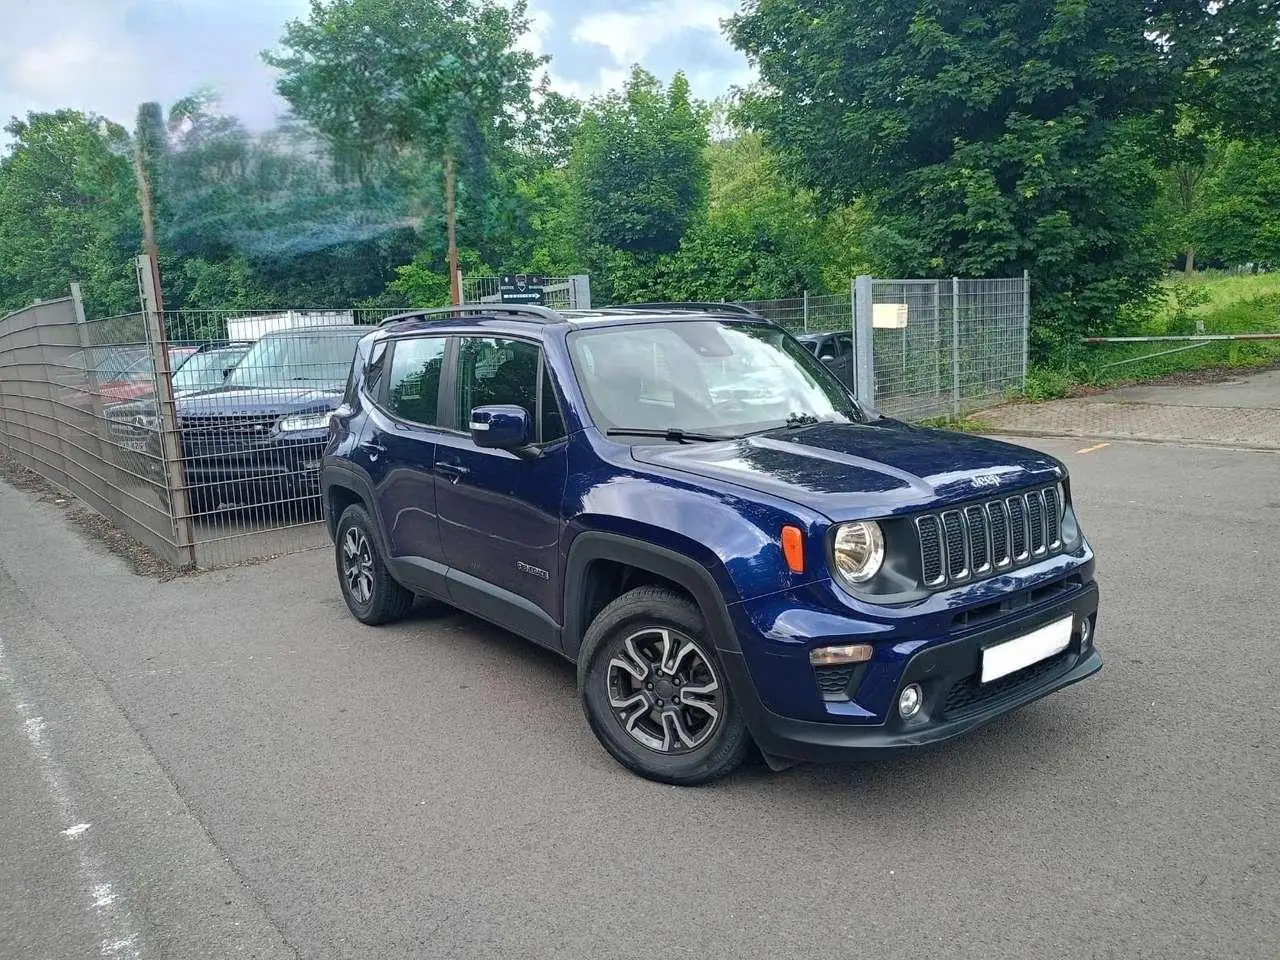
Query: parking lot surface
{"x":228,"y":765}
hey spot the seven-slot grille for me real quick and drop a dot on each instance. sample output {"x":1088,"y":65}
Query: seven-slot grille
{"x":972,"y":542}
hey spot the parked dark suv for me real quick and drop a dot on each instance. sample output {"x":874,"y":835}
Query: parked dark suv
{"x":256,"y":432}
{"x":691,"y":507}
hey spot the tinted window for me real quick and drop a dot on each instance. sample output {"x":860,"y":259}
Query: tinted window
{"x":844,"y":344}
{"x":413,"y":391}
{"x":493,"y":370}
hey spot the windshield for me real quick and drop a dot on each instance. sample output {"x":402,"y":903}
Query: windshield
{"x":717,"y":377}
{"x":206,"y":370}
{"x":314,"y":359}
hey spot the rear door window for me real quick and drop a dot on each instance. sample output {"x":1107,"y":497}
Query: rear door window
{"x":413,"y":386}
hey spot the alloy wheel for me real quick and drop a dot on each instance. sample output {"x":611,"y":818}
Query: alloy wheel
{"x":664,"y":691}
{"x":357,"y":564}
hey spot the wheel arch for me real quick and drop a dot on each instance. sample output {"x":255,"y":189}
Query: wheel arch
{"x":596,"y":547}
{"x":342,"y":486}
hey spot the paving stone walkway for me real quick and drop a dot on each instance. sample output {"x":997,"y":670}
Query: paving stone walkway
{"x":1243,"y":412}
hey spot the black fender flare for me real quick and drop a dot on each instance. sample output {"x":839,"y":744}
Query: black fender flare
{"x":349,"y":478}
{"x":594,"y":545}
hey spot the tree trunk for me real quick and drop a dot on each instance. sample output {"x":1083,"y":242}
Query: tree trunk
{"x":1191,"y":261}
{"x":455,"y":288}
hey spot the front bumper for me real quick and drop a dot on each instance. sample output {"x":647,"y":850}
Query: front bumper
{"x":291,"y":464}
{"x":954,"y":701}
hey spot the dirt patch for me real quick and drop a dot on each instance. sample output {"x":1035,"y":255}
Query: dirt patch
{"x":90,"y":524}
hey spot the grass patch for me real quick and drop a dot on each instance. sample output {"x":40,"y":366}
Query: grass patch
{"x":961,"y":424}
{"x":1211,"y":303}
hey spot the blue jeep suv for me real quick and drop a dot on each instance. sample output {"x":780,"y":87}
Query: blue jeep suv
{"x":692,"y":508}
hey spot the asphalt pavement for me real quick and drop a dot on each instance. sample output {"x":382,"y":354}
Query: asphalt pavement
{"x":228,"y":765}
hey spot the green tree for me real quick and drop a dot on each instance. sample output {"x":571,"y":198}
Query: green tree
{"x":1194,"y":153}
{"x":761,"y":238}
{"x":985,"y":140}
{"x":445,"y":78}
{"x":639,"y":167}
{"x":1240,"y":220}
{"x":68,"y":212}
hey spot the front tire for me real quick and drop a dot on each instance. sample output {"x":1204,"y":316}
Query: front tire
{"x":655,"y":692}
{"x":373,"y":596}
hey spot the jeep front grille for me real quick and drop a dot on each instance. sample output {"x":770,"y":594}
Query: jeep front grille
{"x":958,"y":546}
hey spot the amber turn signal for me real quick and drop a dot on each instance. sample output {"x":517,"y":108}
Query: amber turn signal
{"x":793,"y":548}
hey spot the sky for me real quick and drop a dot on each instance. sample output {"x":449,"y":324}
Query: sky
{"x":107,"y":56}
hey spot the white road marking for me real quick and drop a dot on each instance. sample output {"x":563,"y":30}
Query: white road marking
{"x":120,"y":939}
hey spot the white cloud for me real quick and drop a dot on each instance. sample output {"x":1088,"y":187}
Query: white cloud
{"x":630,"y":36}
{"x":62,"y":68}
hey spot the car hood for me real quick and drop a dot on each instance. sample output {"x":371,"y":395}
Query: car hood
{"x":852,"y":471}
{"x":257,"y":401}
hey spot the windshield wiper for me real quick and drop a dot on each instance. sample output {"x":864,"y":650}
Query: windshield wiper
{"x":793,"y":422}
{"x":672,"y":434}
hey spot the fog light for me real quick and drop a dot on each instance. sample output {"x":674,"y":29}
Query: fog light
{"x":910,"y":701}
{"x":1086,"y":633}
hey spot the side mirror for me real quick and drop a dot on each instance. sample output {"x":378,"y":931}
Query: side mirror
{"x":827,"y":358}
{"x":501,"y":426}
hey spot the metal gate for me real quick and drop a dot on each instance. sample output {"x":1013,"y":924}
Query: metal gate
{"x":562,"y":293}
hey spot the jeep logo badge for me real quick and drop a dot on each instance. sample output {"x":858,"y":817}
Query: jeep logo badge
{"x":986,"y":480}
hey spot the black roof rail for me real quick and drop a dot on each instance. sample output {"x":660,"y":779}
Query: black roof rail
{"x":696,"y":305}
{"x":470,"y":309}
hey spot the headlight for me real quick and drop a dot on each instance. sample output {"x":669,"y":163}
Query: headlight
{"x":858,"y":550}
{"x":305,"y":421}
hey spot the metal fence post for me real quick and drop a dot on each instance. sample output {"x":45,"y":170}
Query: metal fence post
{"x":94,"y":442}
{"x":864,"y":341}
{"x":937,"y":336}
{"x":580,"y":291}
{"x":806,"y":311}
{"x":955,"y":346}
{"x":170,"y":438}
{"x":1026,"y":324}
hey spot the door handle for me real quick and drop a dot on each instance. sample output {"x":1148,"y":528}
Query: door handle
{"x":373,"y":449}
{"x":454,"y":471}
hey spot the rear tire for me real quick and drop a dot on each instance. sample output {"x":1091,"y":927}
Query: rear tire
{"x":373,"y":596}
{"x":655,"y":692}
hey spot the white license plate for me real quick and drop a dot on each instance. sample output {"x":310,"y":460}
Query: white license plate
{"x":1013,"y":655}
